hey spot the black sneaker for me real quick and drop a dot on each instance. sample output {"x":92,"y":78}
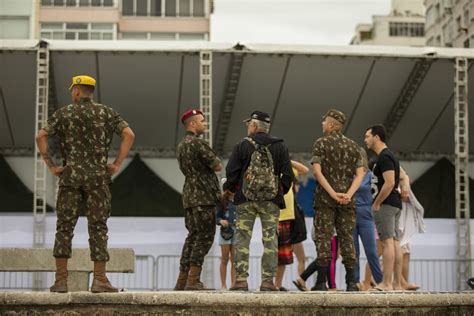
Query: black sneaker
{"x":470,"y":282}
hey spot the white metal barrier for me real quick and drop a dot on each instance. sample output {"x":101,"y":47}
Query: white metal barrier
{"x":151,"y":274}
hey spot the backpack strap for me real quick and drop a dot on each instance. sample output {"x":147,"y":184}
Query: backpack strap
{"x":251,"y":141}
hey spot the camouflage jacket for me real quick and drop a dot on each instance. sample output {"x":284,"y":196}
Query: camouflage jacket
{"x":197,"y":161}
{"x":339,"y":158}
{"x":85,"y":131}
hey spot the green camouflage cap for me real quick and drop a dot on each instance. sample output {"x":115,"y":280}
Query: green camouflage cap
{"x":337,"y":115}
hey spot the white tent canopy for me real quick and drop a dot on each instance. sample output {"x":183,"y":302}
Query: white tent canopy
{"x":152,"y":83}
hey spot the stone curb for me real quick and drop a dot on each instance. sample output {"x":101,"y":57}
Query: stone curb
{"x":245,"y":300}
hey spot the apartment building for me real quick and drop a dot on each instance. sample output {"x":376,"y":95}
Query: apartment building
{"x":450,"y":23}
{"x":110,"y":19}
{"x":403,"y":26}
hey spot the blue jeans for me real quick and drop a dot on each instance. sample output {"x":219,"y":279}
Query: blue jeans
{"x":365,"y":228}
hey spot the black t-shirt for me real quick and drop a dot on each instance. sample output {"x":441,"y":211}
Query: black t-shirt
{"x":386,"y":161}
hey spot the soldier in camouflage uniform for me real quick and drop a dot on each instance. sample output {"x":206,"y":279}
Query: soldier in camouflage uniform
{"x":201,"y":193}
{"x":85,"y":130}
{"x":338,"y":169}
{"x":268,"y":210}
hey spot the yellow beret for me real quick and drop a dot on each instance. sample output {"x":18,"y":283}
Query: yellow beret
{"x":85,"y":80}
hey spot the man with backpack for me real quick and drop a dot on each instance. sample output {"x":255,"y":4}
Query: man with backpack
{"x":259,"y":174}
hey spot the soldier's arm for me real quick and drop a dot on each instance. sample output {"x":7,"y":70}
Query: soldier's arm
{"x":127,"y":137}
{"x":318,"y":157}
{"x":50,"y":129}
{"x":42,"y":143}
{"x":323,"y":182}
{"x":208,"y":156}
{"x":360,"y":172}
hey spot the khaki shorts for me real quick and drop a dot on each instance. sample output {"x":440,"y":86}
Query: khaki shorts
{"x":386,"y":220}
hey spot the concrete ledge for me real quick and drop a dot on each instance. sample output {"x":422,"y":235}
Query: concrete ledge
{"x":41,"y":259}
{"x":229,"y":303}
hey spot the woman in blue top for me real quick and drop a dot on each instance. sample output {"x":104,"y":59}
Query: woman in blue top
{"x":365,"y":227}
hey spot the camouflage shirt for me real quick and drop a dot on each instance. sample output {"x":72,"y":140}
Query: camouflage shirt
{"x":197,"y":162}
{"x":339,"y":158}
{"x":85,"y":131}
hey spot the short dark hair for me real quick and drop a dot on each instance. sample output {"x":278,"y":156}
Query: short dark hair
{"x":378,"y":130}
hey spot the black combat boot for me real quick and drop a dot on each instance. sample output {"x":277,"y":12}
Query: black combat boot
{"x":351,"y":284}
{"x":321,"y":280}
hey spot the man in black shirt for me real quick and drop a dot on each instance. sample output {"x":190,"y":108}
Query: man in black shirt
{"x":386,"y":206}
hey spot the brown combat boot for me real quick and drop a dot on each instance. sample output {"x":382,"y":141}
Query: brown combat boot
{"x":181,"y":282}
{"x":193,"y":283}
{"x":60,"y":284}
{"x":267,"y":285}
{"x":101,"y":284}
{"x":240,"y":286}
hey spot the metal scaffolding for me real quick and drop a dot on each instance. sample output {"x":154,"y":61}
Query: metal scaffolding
{"x":41,"y":116}
{"x":231,"y":87}
{"x":205,"y":105}
{"x":461,"y":151}
{"x":418,"y":73}
{"x":205,"y":91}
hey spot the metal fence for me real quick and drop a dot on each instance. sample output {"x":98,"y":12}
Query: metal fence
{"x":160,"y":273}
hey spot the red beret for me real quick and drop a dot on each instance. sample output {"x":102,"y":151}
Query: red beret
{"x":190,"y":113}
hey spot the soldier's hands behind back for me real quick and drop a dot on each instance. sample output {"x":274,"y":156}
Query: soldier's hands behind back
{"x":112,"y":169}
{"x":343,"y":198}
{"x":56,"y":170}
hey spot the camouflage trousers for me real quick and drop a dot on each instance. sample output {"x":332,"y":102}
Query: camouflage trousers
{"x":343,"y":219}
{"x":96,"y":201}
{"x":246,"y":214}
{"x":200,"y":221}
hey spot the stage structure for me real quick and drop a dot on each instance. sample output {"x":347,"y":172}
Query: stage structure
{"x":417,"y":92}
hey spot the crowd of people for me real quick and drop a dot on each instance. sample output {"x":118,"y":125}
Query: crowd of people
{"x":354,"y":198}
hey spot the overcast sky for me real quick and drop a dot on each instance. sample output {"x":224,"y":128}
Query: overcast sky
{"x":310,"y":22}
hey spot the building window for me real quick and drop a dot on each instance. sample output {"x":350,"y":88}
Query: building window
{"x":158,"y":36}
{"x":78,"y":31}
{"x":198,"y":8}
{"x":77,"y":3}
{"x":365,"y":35}
{"x":164,"y":8}
{"x":14,"y":27}
{"x":170,"y":7}
{"x":185,"y":8}
{"x":191,"y":36}
{"x":163,"y":36}
{"x":398,"y":29}
{"x":448,"y":34}
{"x":134,"y":36}
{"x":431,"y":16}
{"x":155,"y":8}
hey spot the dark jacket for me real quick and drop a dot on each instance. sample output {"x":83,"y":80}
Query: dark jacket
{"x":240,"y":160}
